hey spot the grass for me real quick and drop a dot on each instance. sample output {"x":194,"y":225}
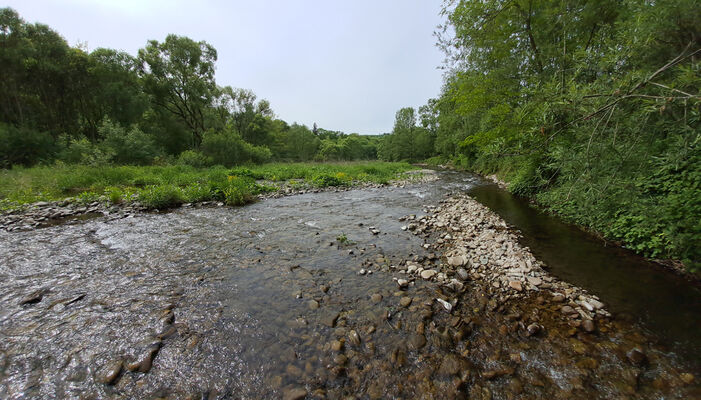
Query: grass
{"x":167,"y":186}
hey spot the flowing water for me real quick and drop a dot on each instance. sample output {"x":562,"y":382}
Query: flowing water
{"x":264,"y":301}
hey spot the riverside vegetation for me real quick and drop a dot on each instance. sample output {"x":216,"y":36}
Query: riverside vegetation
{"x":591,"y":109}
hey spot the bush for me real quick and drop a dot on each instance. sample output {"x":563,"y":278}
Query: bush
{"x":132,"y":147}
{"x":161,"y":196}
{"x":24,"y":146}
{"x":82,"y":151}
{"x":326,"y":180}
{"x":238,"y":191}
{"x":227,"y":148}
{"x":194,"y":158}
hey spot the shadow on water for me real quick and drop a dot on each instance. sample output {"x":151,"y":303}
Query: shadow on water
{"x":663,"y":302}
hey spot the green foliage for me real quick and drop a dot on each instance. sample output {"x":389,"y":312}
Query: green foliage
{"x":194,"y":158}
{"x":114,"y":194}
{"x":24,"y":146}
{"x":179,"y":74}
{"x":578,"y":105}
{"x":161,"y":196}
{"x":227,"y":148}
{"x":82,"y":151}
{"x":407,"y":141}
{"x":127,"y":147}
{"x":343,"y":239}
{"x":166,"y":186}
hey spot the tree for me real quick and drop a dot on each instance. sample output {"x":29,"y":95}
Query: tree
{"x":178,"y":74}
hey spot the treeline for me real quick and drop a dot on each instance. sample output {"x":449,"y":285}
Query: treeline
{"x":163,"y":105}
{"x":592,"y":108}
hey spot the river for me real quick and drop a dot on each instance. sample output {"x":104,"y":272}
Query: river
{"x":265,"y":301}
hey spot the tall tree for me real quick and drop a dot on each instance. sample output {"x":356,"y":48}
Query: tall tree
{"x":179,"y":76}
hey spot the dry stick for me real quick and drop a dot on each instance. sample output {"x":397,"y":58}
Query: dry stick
{"x":681,"y":57}
{"x":591,"y":138}
{"x":672,"y":89}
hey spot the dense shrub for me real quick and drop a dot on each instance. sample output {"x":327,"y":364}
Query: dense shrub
{"x":127,"y":147}
{"x":161,"y":196}
{"x":227,"y":148}
{"x":24,"y":146}
{"x":82,"y":151}
{"x":194,"y":158}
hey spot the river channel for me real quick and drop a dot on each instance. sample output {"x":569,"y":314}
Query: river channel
{"x":269,"y":301}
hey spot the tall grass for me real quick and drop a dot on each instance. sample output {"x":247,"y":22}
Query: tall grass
{"x":166,"y":186}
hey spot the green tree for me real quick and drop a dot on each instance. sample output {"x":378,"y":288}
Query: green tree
{"x":178,"y":74}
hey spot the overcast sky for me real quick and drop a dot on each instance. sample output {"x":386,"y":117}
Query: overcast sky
{"x":346,"y":65}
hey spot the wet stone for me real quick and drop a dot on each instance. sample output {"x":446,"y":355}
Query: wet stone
{"x":330,"y":319}
{"x":687,"y":378}
{"x":462,"y":274}
{"x":110,"y":372}
{"x":428,"y":273}
{"x":588,"y":325}
{"x":313,"y":305}
{"x":405,"y":301}
{"x":33,"y":297}
{"x":637,"y":357}
{"x":337,"y":345}
{"x":297,"y":393}
{"x":516,"y":285}
{"x":145,"y":360}
{"x":452,"y":365}
{"x":293,"y":370}
{"x":354,"y":338}
{"x":376,"y":298}
{"x":559,"y":298}
{"x":416,"y":341}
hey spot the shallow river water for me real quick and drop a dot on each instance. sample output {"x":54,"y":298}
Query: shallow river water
{"x":263,"y":301}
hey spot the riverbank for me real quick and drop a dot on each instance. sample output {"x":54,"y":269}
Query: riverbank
{"x":607,"y":228}
{"x":162,"y":186}
{"x":186,"y":187}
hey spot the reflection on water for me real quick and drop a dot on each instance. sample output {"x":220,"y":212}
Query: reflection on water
{"x":661,"y":301}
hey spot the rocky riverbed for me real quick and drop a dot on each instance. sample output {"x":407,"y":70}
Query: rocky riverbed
{"x":395,"y":292}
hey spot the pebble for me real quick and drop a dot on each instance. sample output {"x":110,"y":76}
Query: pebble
{"x":588,"y":325}
{"x":313,"y":305}
{"x":376,"y":298}
{"x":337,"y":345}
{"x":297,"y":393}
{"x":354,"y":338}
{"x":687,"y":378}
{"x":330,"y":319}
{"x":533,"y":329}
{"x":145,"y":360}
{"x":402,"y":283}
{"x":559,"y":298}
{"x":428,"y":273}
{"x":568,"y":310}
{"x":516,"y":285}
{"x":462,"y":274}
{"x":33,"y":297}
{"x":405,"y":301}
{"x":110,"y":372}
{"x":637,"y":357}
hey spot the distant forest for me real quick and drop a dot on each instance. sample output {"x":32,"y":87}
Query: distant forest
{"x":161,"y":106}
